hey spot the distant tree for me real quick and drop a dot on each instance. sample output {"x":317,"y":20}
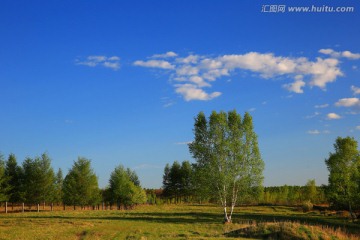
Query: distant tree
{"x":4,"y":186}
{"x":39,"y":179}
{"x":80,"y":186}
{"x":133,"y":176}
{"x":58,"y":185}
{"x":310,"y":191}
{"x":343,"y":165}
{"x":226,"y":150}
{"x":177,"y":181}
{"x":186,"y":188}
{"x":123,"y":190}
{"x":15,"y":177}
{"x":166,"y":181}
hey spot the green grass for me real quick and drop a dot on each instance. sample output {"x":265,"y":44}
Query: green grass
{"x":157,"y":222}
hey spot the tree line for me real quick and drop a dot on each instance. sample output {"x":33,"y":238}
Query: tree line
{"x":36,"y":182}
{"x":228,"y":170}
{"x":181,"y":184}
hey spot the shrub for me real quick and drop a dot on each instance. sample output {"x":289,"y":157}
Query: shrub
{"x":307,"y":206}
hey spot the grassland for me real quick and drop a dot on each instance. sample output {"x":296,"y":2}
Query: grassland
{"x":171,"y":222}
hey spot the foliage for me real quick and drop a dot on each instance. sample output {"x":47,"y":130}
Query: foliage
{"x":228,"y":157}
{"x":58,"y":185}
{"x":4,"y":186}
{"x":80,"y":185}
{"x":344,"y":180}
{"x":15,"y":177}
{"x":178,"y":181}
{"x":310,"y":192}
{"x":122,"y":188}
{"x":307,"y":206}
{"x":39,"y":178}
{"x":294,"y":195}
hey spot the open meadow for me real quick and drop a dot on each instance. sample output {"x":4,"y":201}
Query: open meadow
{"x":177,"y":222}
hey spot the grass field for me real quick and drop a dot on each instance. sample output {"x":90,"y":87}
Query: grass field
{"x":169,"y":222}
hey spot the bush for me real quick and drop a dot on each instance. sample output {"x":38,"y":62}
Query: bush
{"x":307,"y":206}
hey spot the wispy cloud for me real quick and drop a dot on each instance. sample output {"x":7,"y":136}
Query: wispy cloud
{"x":167,"y":102}
{"x":313,"y":115}
{"x":313,"y":132}
{"x":93,"y":61}
{"x":191,"y":75}
{"x":322,"y":106}
{"x":357,"y":127}
{"x":317,"y":132}
{"x":355,"y":90}
{"x":183,"y":143}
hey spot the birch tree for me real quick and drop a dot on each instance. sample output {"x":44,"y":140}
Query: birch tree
{"x":344,"y":166}
{"x":227,"y":156}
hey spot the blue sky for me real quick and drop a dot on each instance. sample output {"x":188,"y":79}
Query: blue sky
{"x":119,"y":82}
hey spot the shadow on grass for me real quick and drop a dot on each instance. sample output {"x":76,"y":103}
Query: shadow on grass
{"x":156,"y":217}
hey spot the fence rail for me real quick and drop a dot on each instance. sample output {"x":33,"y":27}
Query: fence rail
{"x":8,"y":207}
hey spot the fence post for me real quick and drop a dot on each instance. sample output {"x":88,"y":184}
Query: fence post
{"x":51,"y":208}
{"x":6,"y":210}
{"x":38,"y":207}
{"x":23,"y":207}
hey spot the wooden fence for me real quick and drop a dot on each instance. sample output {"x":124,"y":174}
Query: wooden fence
{"x":6,"y":207}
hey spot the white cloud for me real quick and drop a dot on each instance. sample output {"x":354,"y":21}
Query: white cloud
{"x":323,"y":71}
{"x":112,"y":65}
{"x":165,"y":55}
{"x":355,"y":90}
{"x":344,"y":54}
{"x":333,"y":116}
{"x":107,"y":62}
{"x":187,"y":70}
{"x":358,"y":127}
{"x":191,"y":59}
{"x":296,"y":86}
{"x":330,"y":52}
{"x":199,"y":81}
{"x":192,"y":92}
{"x":351,"y":55}
{"x":313,"y":132}
{"x":348,"y":102}
{"x":198,"y":71}
{"x":322,"y":106}
{"x":155,"y":64}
